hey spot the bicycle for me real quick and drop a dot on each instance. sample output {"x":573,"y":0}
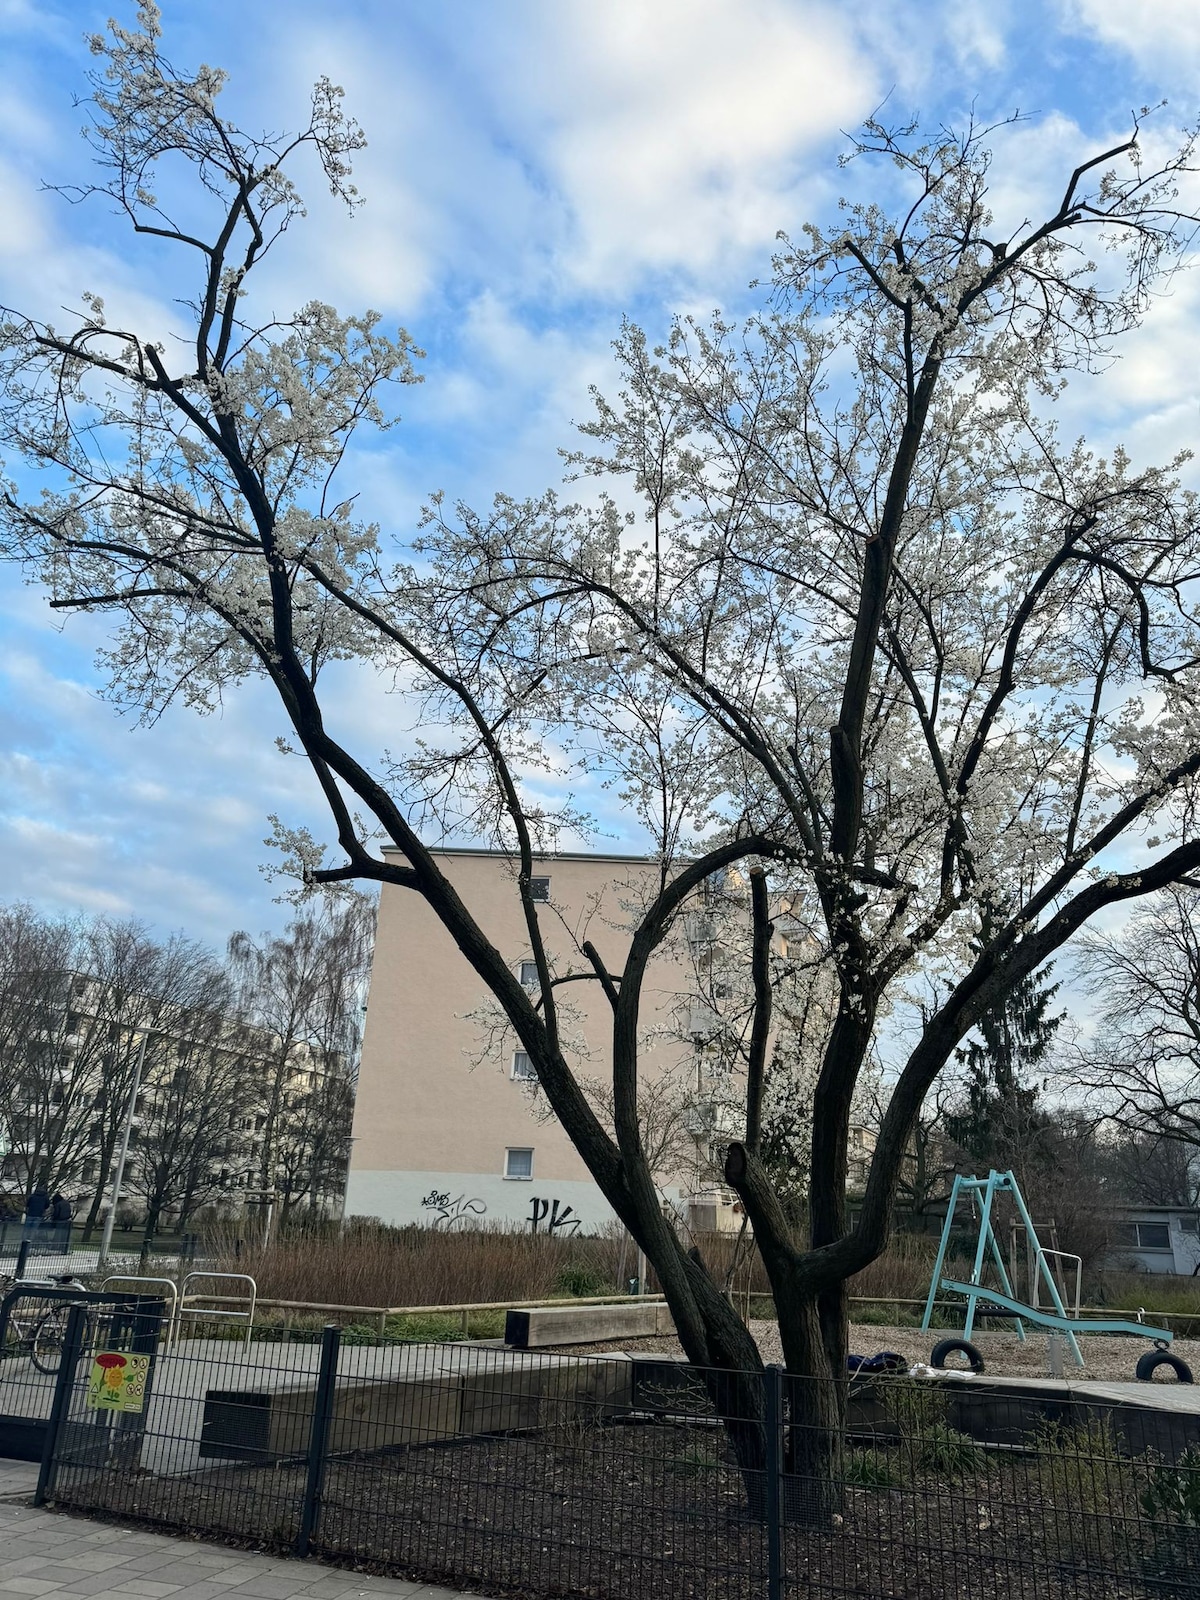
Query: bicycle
{"x":42,"y":1333}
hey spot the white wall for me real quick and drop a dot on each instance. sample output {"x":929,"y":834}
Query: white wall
{"x":463,"y":1198}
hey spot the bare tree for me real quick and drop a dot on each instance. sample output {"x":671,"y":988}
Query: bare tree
{"x":302,"y":992}
{"x":1145,"y":1169}
{"x":128,"y":984}
{"x":1141,"y":1065}
{"x":48,"y":1076}
{"x":859,"y":697}
{"x":192,"y":1103}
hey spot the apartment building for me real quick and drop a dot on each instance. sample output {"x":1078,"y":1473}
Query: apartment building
{"x":450,"y":1126}
{"x":213,"y":1089}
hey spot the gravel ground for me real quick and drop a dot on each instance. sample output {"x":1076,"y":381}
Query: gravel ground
{"x":1107,"y":1356}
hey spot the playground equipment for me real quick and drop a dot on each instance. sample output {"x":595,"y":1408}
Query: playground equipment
{"x":988,"y":1301}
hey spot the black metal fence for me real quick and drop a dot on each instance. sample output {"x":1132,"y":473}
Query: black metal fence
{"x":609,"y":1477}
{"x":35,"y":1320}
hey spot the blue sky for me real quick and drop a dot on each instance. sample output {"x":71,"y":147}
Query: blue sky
{"x":536,"y":169}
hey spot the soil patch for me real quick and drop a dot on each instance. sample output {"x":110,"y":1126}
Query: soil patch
{"x":657,"y":1507}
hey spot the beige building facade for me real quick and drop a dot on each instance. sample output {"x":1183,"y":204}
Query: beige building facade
{"x":450,"y":1129}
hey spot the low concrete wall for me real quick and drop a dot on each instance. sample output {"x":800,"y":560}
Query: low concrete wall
{"x":388,"y":1413}
{"x":1017,"y":1412}
{"x":539,"y":1329}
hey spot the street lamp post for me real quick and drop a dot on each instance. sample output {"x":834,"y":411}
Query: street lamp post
{"x":119,"y":1172}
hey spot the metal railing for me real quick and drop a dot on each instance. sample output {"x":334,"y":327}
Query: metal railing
{"x":1039,"y":1265}
{"x":171,"y":1298}
{"x":189,"y":1306}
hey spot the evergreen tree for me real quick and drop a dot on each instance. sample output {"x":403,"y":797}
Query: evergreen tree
{"x":1002,"y":1107}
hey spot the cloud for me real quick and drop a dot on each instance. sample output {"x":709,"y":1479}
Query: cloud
{"x":673,"y":132}
{"x":533,"y":169}
{"x":165,"y":823}
{"x":557,"y":147}
{"x":1161,"y":37}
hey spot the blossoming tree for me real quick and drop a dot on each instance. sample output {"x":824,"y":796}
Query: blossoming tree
{"x":876,"y":632}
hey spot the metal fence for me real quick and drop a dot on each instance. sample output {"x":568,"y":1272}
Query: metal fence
{"x":607,"y":1477}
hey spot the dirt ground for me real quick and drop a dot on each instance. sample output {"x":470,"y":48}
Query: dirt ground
{"x":1112,"y":1356}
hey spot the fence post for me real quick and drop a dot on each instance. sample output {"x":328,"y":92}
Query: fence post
{"x":60,"y":1406}
{"x":773,"y":1383}
{"x":318,"y":1438}
{"x":22,"y":1258}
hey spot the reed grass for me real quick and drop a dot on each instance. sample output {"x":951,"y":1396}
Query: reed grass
{"x":370,"y":1264}
{"x":373,"y":1265}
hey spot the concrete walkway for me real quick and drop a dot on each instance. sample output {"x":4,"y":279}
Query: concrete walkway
{"x":64,"y":1557}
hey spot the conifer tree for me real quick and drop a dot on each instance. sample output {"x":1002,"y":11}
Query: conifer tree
{"x":1002,"y":1106}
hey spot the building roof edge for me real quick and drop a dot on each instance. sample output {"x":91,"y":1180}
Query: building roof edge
{"x":510,"y":855}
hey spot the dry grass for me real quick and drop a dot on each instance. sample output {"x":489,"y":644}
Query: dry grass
{"x":371,"y":1265}
{"x":901,"y":1273}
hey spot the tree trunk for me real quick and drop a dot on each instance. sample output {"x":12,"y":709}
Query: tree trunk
{"x":154,"y":1211}
{"x":732,"y":1371}
{"x":108,"y":1150}
{"x":813,"y":1334}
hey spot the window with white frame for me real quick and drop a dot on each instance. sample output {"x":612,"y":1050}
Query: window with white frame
{"x":518,"y":1163}
{"x":539,"y":888}
{"x":522,"y":1067}
{"x":529,"y":975}
{"x":1143,"y":1235}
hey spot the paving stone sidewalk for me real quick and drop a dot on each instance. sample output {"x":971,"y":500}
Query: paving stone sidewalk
{"x":70,"y":1558}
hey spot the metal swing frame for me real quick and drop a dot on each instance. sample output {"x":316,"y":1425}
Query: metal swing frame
{"x":982,"y":1192}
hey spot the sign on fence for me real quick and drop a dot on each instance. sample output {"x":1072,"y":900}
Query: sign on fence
{"x":118,"y":1381}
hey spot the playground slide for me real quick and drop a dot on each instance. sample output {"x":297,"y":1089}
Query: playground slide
{"x":1051,"y":1319}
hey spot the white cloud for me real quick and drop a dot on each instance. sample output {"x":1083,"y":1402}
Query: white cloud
{"x":1161,"y":36}
{"x":975,"y":34}
{"x":551,"y":147}
{"x":673,"y":131}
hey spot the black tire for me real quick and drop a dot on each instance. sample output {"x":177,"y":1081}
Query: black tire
{"x":1149,"y":1364}
{"x":46,"y":1346}
{"x":951,"y":1347}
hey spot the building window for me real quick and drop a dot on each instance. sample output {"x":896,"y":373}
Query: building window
{"x":529,"y":975}
{"x":539,"y":888}
{"x":1153,"y":1236}
{"x":1190,"y":1224}
{"x":1144,"y":1235}
{"x":522,"y":1067}
{"x":518,"y":1163}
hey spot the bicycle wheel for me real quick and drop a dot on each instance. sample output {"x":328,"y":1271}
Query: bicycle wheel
{"x":46,"y":1346}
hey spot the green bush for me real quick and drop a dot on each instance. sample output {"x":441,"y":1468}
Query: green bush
{"x":1173,"y":1493}
{"x":948,"y":1452}
{"x":581,"y":1279}
{"x":871,"y":1469}
{"x":695,"y":1460}
{"x":1171,"y":1503}
{"x":872,"y":1317}
{"x":1086,"y":1483}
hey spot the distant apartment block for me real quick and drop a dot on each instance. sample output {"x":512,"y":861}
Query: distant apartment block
{"x":450,"y":1127}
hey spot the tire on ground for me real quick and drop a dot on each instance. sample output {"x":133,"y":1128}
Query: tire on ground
{"x":950,"y":1347}
{"x":1153,"y":1359}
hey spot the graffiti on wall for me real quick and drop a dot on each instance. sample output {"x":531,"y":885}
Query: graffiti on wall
{"x":450,"y":1214}
{"x":557,"y":1216}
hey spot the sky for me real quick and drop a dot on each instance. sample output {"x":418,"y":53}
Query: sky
{"x":536,"y":169}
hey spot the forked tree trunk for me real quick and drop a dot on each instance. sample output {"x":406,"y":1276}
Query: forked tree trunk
{"x":814,"y":1403}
